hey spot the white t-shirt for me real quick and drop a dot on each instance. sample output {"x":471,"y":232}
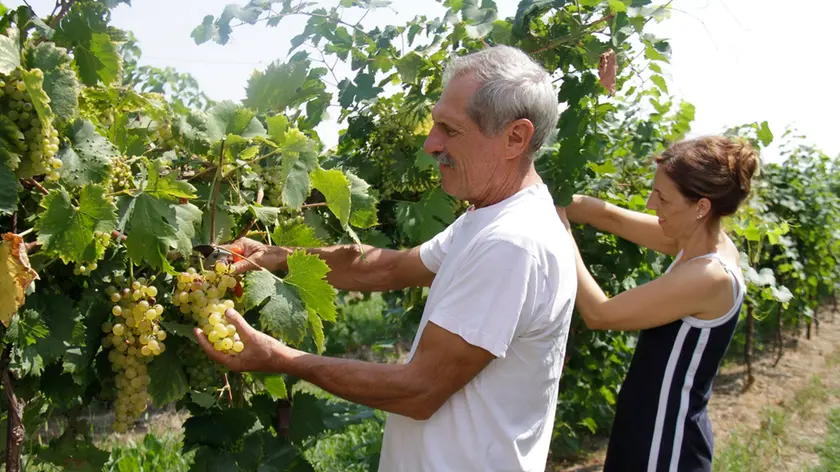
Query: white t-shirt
{"x":505,"y":281}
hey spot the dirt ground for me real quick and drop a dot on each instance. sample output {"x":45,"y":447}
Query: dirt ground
{"x":784,"y":386}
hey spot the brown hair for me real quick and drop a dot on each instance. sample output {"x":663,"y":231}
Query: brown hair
{"x":713,"y":167}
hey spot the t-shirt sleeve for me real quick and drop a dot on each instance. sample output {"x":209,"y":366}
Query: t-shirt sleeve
{"x":434,"y":250}
{"x":485,"y":301}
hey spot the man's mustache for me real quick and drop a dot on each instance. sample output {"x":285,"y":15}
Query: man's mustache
{"x":444,"y":158}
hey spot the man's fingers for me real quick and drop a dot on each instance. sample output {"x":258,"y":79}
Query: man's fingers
{"x":237,"y":320}
{"x":208,"y":348}
{"x":242,"y":266}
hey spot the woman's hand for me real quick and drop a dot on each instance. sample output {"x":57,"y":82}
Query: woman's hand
{"x":561,"y":212}
{"x":270,"y":257}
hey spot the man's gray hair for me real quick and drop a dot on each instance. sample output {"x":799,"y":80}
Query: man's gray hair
{"x":513,"y":87}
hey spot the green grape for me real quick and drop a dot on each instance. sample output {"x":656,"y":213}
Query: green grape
{"x":134,"y":338}
{"x":40,"y":143}
{"x":120,"y":176}
{"x":202,"y":296}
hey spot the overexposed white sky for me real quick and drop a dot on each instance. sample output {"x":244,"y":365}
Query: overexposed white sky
{"x":737,"y":61}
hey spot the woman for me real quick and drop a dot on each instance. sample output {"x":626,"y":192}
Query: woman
{"x":686,"y":317}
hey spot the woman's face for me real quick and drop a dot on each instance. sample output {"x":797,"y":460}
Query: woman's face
{"x":677,"y":214}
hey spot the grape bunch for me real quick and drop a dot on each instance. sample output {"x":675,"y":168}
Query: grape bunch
{"x":40,"y":142}
{"x":202,"y":295}
{"x":202,"y":373}
{"x":104,"y":240}
{"x":135,"y":337}
{"x":272,"y":177}
{"x":120,"y":176}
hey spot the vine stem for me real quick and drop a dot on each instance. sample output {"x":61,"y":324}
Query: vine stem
{"x":37,"y":185}
{"x":313,"y":205}
{"x":15,"y":423}
{"x":570,"y":39}
{"x":26,"y":232}
{"x":229,"y":392}
{"x":216,"y":193}
{"x":65,"y":7}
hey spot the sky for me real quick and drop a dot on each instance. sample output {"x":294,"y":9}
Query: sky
{"x":737,"y":61}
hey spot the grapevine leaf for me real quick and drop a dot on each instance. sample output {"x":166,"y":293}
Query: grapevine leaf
{"x":217,"y":429}
{"x":179,"y":329}
{"x":296,"y":187}
{"x":283,"y":316}
{"x":408,"y":65}
{"x":280,"y":456}
{"x":11,"y":143}
{"x":68,"y":230}
{"x":336,"y":189}
{"x":316,"y":324}
{"x":764,"y":134}
{"x":40,"y":100}
{"x":87,"y":158}
{"x":168,"y":383}
{"x":168,"y":185}
{"x":230,"y":118}
{"x":202,"y":399}
{"x":277,"y":126}
{"x":15,"y":276}
{"x":306,"y":273}
{"x":257,"y":286}
{"x":154,"y":223}
{"x":201,"y":130}
{"x":299,"y":159}
{"x":9,"y":188}
{"x":59,"y":315}
{"x":208,"y":459}
{"x":251,"y":455}
{"x":265,"y":215}
{"x":276,"y":386}
{"x":300,"y":235}
{"x":97,"y":60}
{"x":9,"y":51}
{"x":313,"y":415}
{"x":422,"y":220}
{"x":363,"y":205}
{"x":278,"y":87}
{"x":73,"y":454}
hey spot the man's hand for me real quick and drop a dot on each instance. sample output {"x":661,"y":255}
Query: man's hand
{"x":271,"y":258}
{"x":262,"y":353}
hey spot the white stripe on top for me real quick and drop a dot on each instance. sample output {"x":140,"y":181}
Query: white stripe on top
{"x":664,"y":391}
{"x":689,"y":382}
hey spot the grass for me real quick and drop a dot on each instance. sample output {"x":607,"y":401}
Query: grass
{"x":829,"y":450}
{"x":761,"y":450}
{"x":152,"y":453}
{"x":805,"y":398}
{"x":758,"y":451}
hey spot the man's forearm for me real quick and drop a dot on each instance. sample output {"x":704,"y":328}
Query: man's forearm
{"x":349,"y":270}
{"x":387,"y":387}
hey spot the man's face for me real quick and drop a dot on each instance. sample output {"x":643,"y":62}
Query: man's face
{"x":467,"y":159}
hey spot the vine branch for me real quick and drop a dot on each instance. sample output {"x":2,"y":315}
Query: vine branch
{"x":36,"y":184}
{"x":64,"y":6}
{"x":216,"y":193}
{"x":15,"y":432}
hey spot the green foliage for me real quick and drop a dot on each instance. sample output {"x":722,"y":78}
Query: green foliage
{"x":258,"y":168}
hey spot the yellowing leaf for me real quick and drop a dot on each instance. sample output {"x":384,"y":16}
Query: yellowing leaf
{"x":15,"y":276}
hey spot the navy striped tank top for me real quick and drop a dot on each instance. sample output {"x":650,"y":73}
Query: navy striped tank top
{"x":661,"y":422}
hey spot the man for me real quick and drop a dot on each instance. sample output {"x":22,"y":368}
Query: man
{"x":479,"y":390}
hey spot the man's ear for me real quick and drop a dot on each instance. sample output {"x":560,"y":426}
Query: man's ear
{"x":519,"y":134}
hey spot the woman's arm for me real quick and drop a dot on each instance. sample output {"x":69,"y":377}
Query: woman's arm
{"x":690,"y":290}
{"x":639,"y":228}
